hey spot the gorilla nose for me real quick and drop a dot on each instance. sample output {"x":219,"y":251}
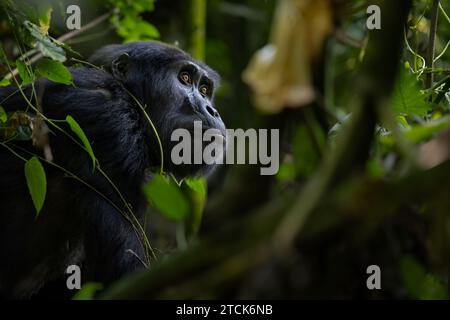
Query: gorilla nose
{"x":212,"y":112}
{"x":212,"y":117}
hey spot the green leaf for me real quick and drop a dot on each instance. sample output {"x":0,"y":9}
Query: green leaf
{"x":286,"y":172}
{"x":88,"y":291}
{"x":165,"y":195}
{"x":45,"y":15}
{"x":305,"y":150}
{"x":419,"y":132}
{"x":54,"y":71}
{"x":407,"y":99}
{"x":75,"y":127}
{"x":24,"y":73}
{"x":133,"y":28}
{"x":419,"y":283}
{"x":195,"y":190}
{"x":5,"y":82}
{"x":197,"y":185}
{"x":48,"y":46}
{"x":36,"y":182}
{"x":3,"y":115}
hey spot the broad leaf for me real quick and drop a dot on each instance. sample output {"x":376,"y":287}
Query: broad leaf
{"x":166,"y":197}
{"x":54,"y":71}
{"x":48,"y":46}
{"x":36,"y":182}
{"x":407,"y":100}
{"x":75,"y":127}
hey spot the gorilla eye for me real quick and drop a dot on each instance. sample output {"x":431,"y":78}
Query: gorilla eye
{"x":185,"y":77}
{"x":204,"y":90}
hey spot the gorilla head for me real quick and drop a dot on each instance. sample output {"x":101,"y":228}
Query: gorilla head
{"x":174,"y":89}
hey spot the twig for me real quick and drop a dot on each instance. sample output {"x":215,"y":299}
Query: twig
{"x":432,"y":42}
{"x":63,"y":38}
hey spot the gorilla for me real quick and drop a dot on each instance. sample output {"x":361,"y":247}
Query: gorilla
{"x":79,"y":224}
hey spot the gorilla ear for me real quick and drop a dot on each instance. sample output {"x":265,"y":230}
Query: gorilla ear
{"x":119,"y":66}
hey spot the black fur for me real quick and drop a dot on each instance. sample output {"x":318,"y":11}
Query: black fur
{"x":77,"y":225}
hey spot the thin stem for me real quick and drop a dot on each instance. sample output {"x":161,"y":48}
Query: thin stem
{"x":432,"y":42}
{"x":161,"y":151}
{"x":444,"y":13}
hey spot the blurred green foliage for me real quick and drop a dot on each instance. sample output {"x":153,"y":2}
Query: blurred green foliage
{"x":234,"y":31}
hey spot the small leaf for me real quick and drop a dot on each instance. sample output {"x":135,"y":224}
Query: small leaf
{"x":286,"y":172}
{"x":5,"y":82}
{"x":419,"y":132}
{"x":3,"y":115}
{"x":24,"y":73}
{"x":54,"y":71}
{"x":198,"y":185}
{"x":44,"y":19}
{"x":166,"y":197}
{"x":75,"y":127}
{"x":88,"y":291}
{"x":36,"y":182}
{"x":48,"y":46}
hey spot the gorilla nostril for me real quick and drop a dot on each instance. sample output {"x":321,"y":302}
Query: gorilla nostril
{"x":212,"y":112}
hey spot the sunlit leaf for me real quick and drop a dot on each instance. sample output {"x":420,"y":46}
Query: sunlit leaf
{"x":165,"y":195}
{"x":36,"y":182}
{"x":198,"y":185}
{"x":75,"y":127}
{"x":4,"y":82}
{"x":407,"y":100}
{"x":54,"y":71}
{"x":195,"y":190}
{"x":44,"y":19}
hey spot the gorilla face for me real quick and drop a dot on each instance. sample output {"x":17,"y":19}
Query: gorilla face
{"x":175,"y":90}
{"x":192,"y":89}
